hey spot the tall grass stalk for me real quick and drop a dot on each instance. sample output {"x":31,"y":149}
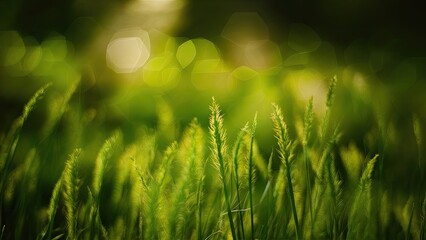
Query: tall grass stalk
{"x":282,"y":215}
{"x":325,"y":125}
{"x":143,"y":185}
{"x":100,"y":166}
{"x":125,"y":196}
{"x":423,"y":222}
{"x":410,"y":222}
{"x":269,"y":177}
{"x":250,"y":178}
{"x":268,"y":195}
{"x":184,"y":199}
{"x":335,"y":189}
{"x":286,"y":151}
{"x":308,"y":120}
{"x":419,"y":140}
{"x":321,"y":182}
{"x":71,"y":192}
{"x":236,"y":175}
{"x":325,"y":165}
{"x":218,"y":141}
{"x":29,"y":170}
{"x":10,"y":143}
{"x":102,"y":160}
{"x":195,"y":152}
{"x":53,"y":207}
{"x":154,"y":192}
{"x":417,"y":127}
{"x":166,"y":164}
{"x":2,"y":232}
{"x":57,"y":109}
{"x":359,"y":220}
{"x":199,"y":207}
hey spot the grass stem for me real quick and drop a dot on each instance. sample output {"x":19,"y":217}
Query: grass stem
{"x":250,"y":179}
{"x":218,"y":141}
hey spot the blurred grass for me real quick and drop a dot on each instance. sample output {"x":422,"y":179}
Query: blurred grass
{"x":377,"y":106}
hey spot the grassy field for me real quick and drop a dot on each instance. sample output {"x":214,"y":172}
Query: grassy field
{"x":194,"y":146}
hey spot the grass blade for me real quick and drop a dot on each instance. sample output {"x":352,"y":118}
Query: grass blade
{"x":250,"y":179}
{"x":218,"y":136}
{"x":100,"y":166}
{"x":2,"y":232}
{"x":236,"y":175}
{"x":184,"y":199}
{"x":102,"y":160}
{"x":309,"y":117}
{"x":423,"y":223}
{"x":410,"y":222}
{"x":53,"y":206}
{"x":325,"y":128}
{"x":8,"y":146}
{"x":359,"y":222}
{"x":199,"y":207}
{"x":286,"y":148}
{"x":70,"y":193}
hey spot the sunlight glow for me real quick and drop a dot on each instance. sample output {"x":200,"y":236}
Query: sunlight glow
{"x":126,"y":54}
{"x":262,"y":54}
{"x":12,"y":47}
{"x":244,"y":27}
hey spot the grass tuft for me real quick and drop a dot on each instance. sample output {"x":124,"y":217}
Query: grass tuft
{"x":2,"y":232}
{"x":97,"y":229}
{"x":423,"y":222}
{"x":71,"y":192}
{"x":102,"y":160}
{"x":185,"y":197}
{"x":218,"y":148}
{"x":286,"y":152}
{"x":325,"y":127}
{"x":251,"y":175}
{"x":238,"y":141}
{"x":308,"y":120}
{"x":53,"y":207}
{"x":10,"y":142}
{"x":318,"y":187}
{"x":360,"y":224}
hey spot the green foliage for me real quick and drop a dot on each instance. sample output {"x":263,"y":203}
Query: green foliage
{"x":251,"y":175}
{"x":184,"y":199}
{"x":360,"y":225}
{"x":286,"y":148}
{"x":9,"y":144}
{"x":218,"y":139}
{"x":423,"y":221}
{"x":235,"y":158}
{"x":152,"y":186}
{"x":71,"y":193}
{"x":53,"y":207}
{"x":308,"y":121}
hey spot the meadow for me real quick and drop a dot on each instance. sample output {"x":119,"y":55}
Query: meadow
{"x":202,"y":150}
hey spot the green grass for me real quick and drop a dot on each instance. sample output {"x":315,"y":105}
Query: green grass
{"x":286,"y":150}
{"x":147,"y":186}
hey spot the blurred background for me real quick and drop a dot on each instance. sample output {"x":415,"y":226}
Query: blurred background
{"x":156,"y":63}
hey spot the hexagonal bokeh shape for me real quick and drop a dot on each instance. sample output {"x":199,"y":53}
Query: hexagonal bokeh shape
{"x":245,"y":27}
{"x":262,"y":54}
{"x":12,"y":48}
{"x":302,"y":38}
{"x":128,"y":51}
